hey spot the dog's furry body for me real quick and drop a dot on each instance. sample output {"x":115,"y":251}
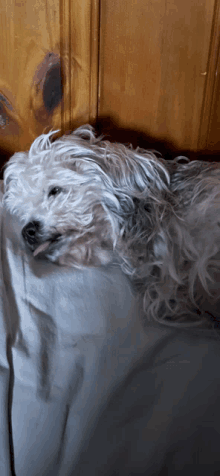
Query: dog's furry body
{"x":81,"y":199}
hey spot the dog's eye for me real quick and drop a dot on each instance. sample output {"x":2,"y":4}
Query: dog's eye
{"x":54,"y":191}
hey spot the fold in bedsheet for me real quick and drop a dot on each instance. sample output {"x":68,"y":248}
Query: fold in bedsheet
{"x":84,"y":389}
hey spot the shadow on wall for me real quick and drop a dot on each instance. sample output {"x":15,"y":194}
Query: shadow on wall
{"x":4,"y":157}
{"x":115,"y":133}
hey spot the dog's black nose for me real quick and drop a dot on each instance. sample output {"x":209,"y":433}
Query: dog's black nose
{"x":30,"y":231}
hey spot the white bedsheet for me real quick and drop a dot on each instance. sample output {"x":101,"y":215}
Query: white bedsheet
{"x":69,"y":340}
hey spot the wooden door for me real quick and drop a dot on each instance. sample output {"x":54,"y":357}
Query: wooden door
{"x":147,"y":68}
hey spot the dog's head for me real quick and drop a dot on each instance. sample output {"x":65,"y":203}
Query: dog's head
{"x":78,"y":195}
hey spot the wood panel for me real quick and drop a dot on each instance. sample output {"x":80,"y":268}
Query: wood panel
{"x":213,"y":136}
{"x":79,"y":51}
{"x":153,"y":66}
{"x":209,"y":137}
{"x":48,"y":67}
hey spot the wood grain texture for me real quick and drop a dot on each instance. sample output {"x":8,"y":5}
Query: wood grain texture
{"x":209,"y":135}
{"x":79,"y":51}
{"x":48,"y":64}
{"x":147,"y":65}
{"x":153,"y":65}
{"x":213,"y":137}
{"x":28,"y":32}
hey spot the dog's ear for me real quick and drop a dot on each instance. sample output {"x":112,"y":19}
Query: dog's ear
{"x":14,"y":167}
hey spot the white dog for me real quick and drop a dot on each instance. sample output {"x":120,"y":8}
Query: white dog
{"x":83,"y":200}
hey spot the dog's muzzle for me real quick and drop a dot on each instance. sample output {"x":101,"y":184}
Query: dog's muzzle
{"x":32,"y":235}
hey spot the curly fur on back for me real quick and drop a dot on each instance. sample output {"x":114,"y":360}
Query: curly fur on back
{"x":161,"y":218}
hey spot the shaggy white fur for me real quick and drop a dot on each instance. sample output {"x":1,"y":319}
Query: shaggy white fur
{"x":83,"y":201}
